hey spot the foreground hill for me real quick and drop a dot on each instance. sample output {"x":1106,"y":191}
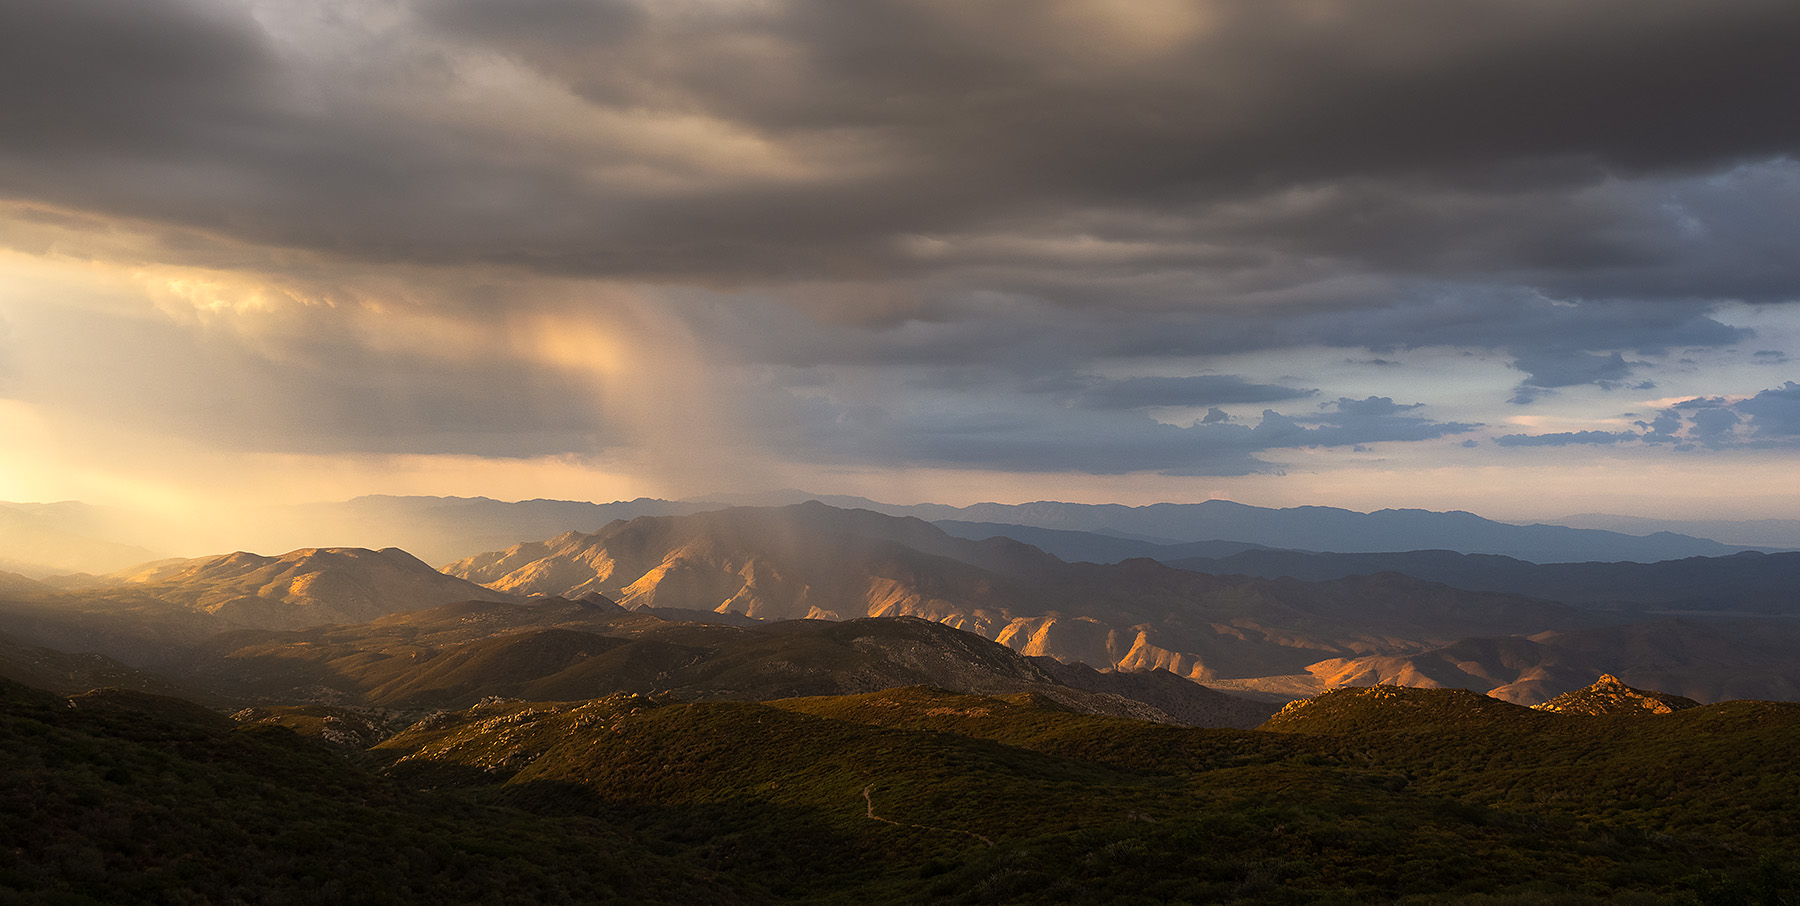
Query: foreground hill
{"x":815,"y":561}
{"x":127,"y":798}
{"x":902,"y":796}
{"x":1005,"y":800}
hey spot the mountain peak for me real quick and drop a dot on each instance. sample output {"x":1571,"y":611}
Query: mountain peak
{"x":1610,"y":695}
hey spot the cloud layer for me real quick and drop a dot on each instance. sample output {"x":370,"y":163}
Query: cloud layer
{"x":1173,"y":237}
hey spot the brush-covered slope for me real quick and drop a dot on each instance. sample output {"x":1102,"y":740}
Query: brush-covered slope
{"x":1370,"y":709}
{"x":124,"y":798}
{"x":561,"y":650}
{"x":1609,"y":696}
{"x":63,"y":672}
{"x":1728,"y":766}
{"x":812,"y":560}
{"x":1185,"y":701}
{"x":904,"y":796}
{"x":918,"y":795}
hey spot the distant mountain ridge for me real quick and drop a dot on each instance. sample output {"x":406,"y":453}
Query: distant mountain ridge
{"x":1317,"y":528}
{"x":1762,"y":533}
{"x":304,"y":587}
{"x":74,"y":537}
{"x":814,"y":561}
{"x":1748,"y":581}
{"x":1093,"y":547}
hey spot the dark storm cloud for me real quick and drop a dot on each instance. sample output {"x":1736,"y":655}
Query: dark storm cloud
{"x":926,"y":225}
{"x":128,"y":79}
{"x":902,"y":119}
{"x":1547,"y":337}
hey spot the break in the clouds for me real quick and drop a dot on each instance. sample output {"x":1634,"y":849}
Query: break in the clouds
{"x":1175,"y":237}
{"x":1770,"y":418}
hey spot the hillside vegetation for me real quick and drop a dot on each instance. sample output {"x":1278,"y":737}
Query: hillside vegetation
{"x":900,"y":796}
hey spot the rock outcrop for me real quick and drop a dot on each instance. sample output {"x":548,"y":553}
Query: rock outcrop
{"x":1609,"y":695}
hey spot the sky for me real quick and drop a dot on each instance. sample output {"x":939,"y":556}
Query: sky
{"x":1522,"y":257}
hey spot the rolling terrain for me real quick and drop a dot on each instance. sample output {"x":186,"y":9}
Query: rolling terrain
{"x":455,"y":656}
{"x":1273,"y":637}
{"x":1270,"y":635}
{"x":1744,"y":582}
{"x":395,"y":738}
{"x":914,"y":794}
{"x":1321,"y":528}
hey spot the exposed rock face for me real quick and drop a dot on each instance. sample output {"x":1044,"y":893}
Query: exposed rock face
{"x":1609,"y":695}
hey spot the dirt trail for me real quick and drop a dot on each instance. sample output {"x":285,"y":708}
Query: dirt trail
{"x":947,"y":830}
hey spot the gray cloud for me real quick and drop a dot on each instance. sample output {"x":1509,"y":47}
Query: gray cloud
{"x":1568,"y":368}
{"x":886,"y":120}
{"x":1774,"y":414}
{"x":920,"y":228}
{"x":132,"y":80}
{"x":1201,"y":390}
{"x":1769,"y":419}
{"x":1566,"y":438}
{"x":1028,"y":437}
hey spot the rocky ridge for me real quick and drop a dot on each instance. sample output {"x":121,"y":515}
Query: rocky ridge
{"x":1609,"y":695}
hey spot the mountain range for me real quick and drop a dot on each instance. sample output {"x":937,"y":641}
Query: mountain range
{"x":810,"y":703}
{"x":1274,"y":637}
{"x":819,"y":562}
{"x":1747,"y":581}
{"x":46,"y":540}
{"x":1318,"y":528}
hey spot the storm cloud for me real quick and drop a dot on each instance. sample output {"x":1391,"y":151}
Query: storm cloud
{"x":1177,"y":237}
